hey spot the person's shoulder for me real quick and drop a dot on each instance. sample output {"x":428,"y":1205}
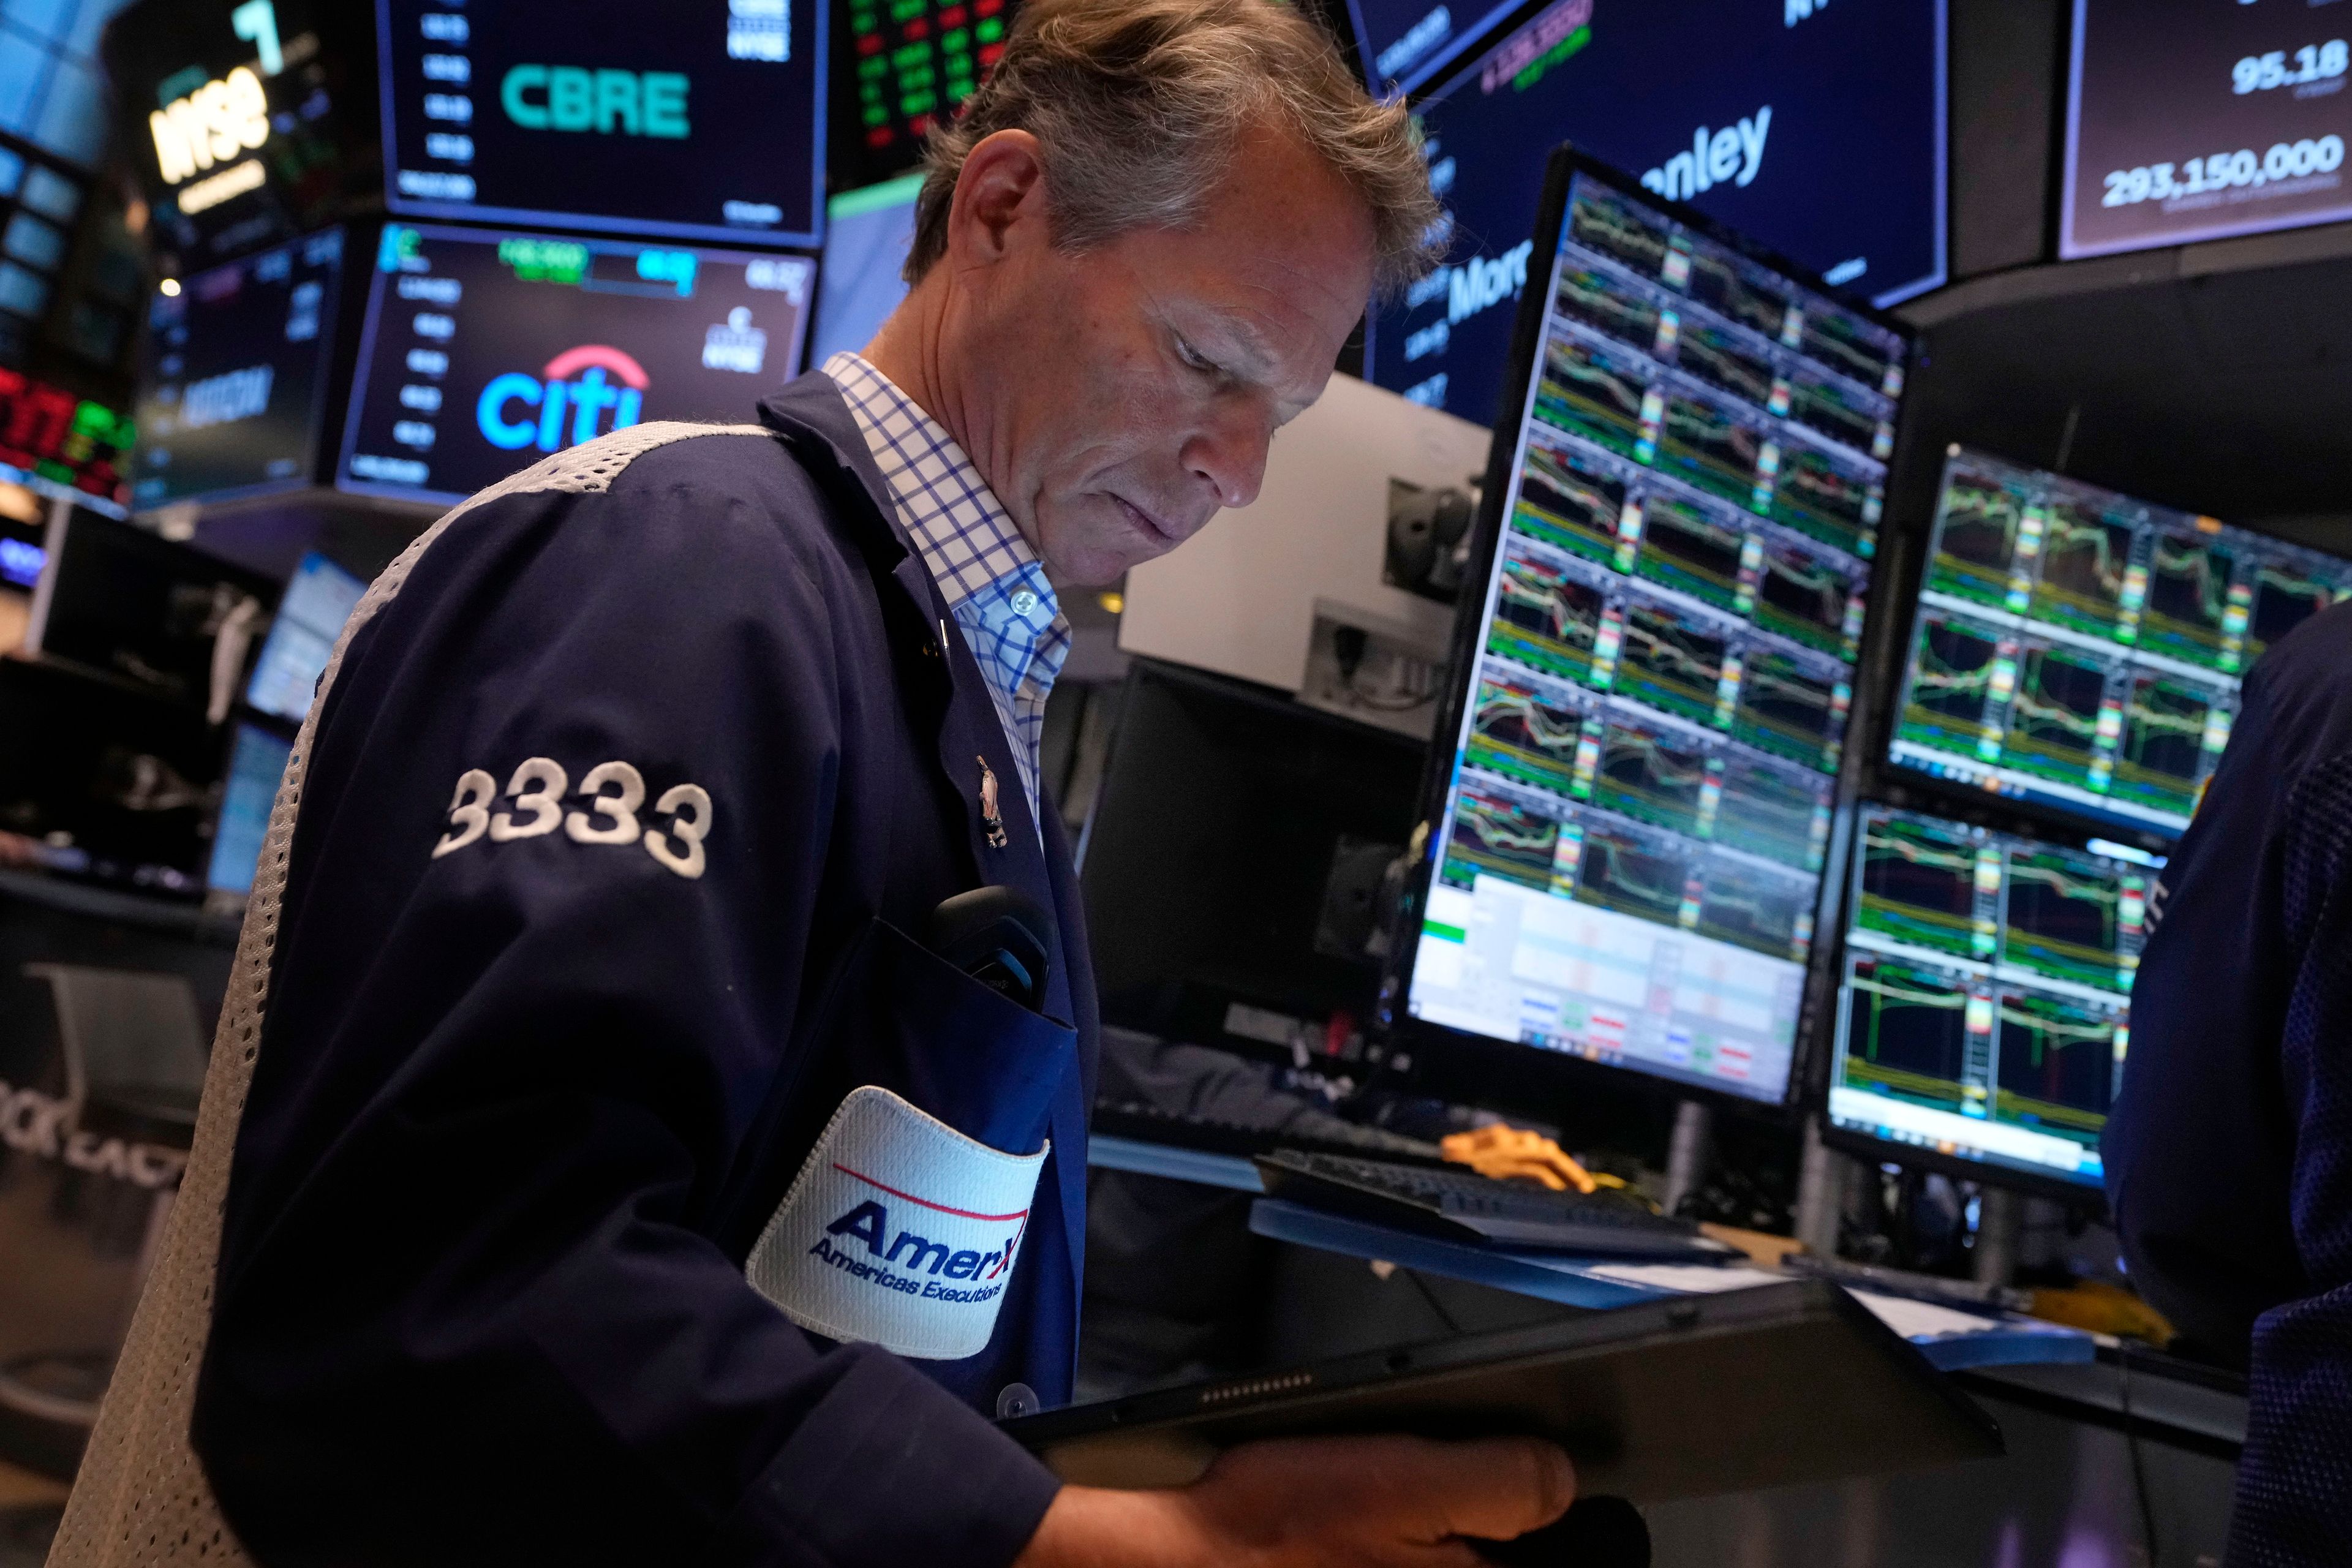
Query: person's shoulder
{"x":2318,"y":649}
{"x":2305,"y":677}
{"x":732,"y":497}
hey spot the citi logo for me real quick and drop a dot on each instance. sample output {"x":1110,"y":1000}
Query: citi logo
{"x":579,"y":382}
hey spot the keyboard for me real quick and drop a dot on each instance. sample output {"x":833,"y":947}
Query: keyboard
{"x":1462,"y":1205}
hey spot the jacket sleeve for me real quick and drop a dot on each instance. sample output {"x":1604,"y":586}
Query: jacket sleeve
{"x":2196,"y":1149}
{"x":467,"y":1308}
{"x":2295,"y":1483}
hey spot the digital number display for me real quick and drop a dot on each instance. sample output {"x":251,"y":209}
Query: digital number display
{"x":2188,"y":121}
{"x":61,"y":445}
{"x":484,"y":352}
{"x":1639,"y":819}
{"x":900,"y":65}
{"x":235,"y":375}
{"x":701,"y":120}
{"x":1816,"y":130}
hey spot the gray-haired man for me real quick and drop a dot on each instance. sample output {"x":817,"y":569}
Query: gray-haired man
{"x":616,"y":1175}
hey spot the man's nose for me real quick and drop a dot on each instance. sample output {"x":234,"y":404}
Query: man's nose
{"x":1227,"y":454}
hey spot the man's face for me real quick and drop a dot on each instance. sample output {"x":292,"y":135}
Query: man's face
{"x":1125,"y":394}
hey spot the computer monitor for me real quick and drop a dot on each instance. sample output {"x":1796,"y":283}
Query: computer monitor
{"x":859,"y":281}
{"x":1817,"y":130}
{"x":257,"y":760}
{"x":141,"y":611}
{"x":694,"y":120}
{"x":236,"y":377}
{"x":1232,"y":863}
{"x":1984,"y":1004}
{"x":1630,"y":825}
{"x":1406,"y":42}
{"x":319,"y":599}
{"x":484,"y":352}
{"x":2081,"y":652}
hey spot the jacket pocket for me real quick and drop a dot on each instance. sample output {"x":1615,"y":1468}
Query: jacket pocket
{"x":901,"y":1018}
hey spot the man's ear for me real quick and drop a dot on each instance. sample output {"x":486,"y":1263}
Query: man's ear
{"x":1000,"y":199}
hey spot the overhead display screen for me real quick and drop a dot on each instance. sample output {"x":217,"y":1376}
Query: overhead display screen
{"x":245,"y":120}
{"x":2082,"y":651}
{"x":1406,"y":42}
{"x":698,"y":120}
{"x":1818,"y":134}
{"x":484,"y":352}
{"x":899,"y":66}
{"x":2191,"y":120}
{"x":235,"y":375}
{"x":868,"y":236}
{"x":1640,"y":806}
{"x":1985,"y":1007}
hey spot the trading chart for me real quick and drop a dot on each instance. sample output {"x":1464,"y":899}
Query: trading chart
{"x":2081,"y":651}
{"x":1642,"y":801}
{"x":1985,"y":1010}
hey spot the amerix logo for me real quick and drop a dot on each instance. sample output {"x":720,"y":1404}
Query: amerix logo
{"x":927,"y":1264}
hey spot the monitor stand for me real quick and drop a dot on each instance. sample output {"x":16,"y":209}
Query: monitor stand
{"x":1821,"y":1185}
{"x":1690,"y":1153}
{"x":2000,"y":1218}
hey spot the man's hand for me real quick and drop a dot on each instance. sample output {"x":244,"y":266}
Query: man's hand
{"x":1328,"y":1502}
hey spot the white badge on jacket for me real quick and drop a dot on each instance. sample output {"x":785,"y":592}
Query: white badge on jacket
{"x":900,"y":1231}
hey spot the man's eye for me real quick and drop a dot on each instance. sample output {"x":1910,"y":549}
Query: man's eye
{"x":1194,"y":357}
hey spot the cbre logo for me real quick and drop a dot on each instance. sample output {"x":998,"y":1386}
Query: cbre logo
{"x":579,"y":382}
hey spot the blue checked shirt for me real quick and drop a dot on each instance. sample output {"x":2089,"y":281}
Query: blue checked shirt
{"x":994,"y":584}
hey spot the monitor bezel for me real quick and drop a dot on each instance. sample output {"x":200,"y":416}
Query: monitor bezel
{"x":806,"y":232}
{"x":1511,"y":1075}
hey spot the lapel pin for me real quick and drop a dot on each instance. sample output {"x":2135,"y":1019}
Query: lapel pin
{"x":989,"y":817}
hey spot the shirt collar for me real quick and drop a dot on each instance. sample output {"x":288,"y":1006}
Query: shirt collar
{"x":964,"y":532}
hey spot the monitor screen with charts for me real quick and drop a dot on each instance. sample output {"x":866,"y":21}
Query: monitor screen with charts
{"x":1646,"y":736}
{"x":256,"y":762}
{"x":2081,"y":651}
{"x":318,"y":601}
{"x":1984,"y":1008}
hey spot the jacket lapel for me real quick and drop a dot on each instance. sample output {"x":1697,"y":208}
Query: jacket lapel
{"x":973,"y":749}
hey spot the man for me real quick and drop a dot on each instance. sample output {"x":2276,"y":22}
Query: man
{"x":2229,"y":1152}
{"x":617,"y":1177}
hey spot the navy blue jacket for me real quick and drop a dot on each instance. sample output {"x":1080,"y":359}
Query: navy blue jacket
{"x":519,"y":1114}
{"x":2229,"y":1156}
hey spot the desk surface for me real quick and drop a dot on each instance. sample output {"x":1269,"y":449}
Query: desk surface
{"x":1950,"y":1338}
